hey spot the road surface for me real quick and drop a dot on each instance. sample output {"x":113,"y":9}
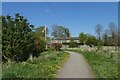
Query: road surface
{"x":75,"y":67}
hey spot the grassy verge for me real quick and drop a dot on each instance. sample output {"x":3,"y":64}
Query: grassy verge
{"x":43,"y":67}
{"x":102,"y":65}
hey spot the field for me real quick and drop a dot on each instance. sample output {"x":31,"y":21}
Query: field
{"x":104,"y":63}
{"x":43,"y":67}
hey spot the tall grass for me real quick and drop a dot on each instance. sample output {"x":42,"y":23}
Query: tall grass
{"x":43,"y":67}
{"x":103,"y":65}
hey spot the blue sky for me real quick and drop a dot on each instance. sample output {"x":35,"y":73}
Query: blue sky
{"x":77,"y":16}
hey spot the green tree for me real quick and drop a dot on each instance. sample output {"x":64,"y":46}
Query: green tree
{"x":82,"y":38}
{"x":91,"y":40}
{"x":38,"y":41}
{"x":39,"y":37}
{"x":60,"y":31}
{"x":41,"y":31}
{"x":0,"y":34}
{"x":73,"y":43}
{"x":67,"y":33}
{"x":17,"y":38}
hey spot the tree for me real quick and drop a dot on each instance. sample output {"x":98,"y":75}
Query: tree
{"x":17,"y":38}
{"x":113,"y":31}
{"x":1,"y":30}
{"x":41,"y":31}
{"x":39,"y":40}
{"x":119,"y":37}
{"x":98,"y":30}
{"x":91,"y":40}
{"x":67,"y":33}
{"x":73,"y":43}
{"x":106,"y":38}
{"x":60,"y":31}
{"x":82,"y":38}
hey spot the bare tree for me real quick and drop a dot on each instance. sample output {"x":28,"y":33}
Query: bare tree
{"x":106,"y":37}
{"x":119,"y":37}
{"x":98,"y":29}
{"x":113,"y":31}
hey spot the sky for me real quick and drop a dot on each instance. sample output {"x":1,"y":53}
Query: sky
{"x":77,"y":16}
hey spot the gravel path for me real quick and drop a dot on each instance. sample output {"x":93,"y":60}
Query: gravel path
{"x":75,"y":67}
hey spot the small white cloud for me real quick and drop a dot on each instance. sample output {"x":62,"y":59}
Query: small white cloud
{"x":47,"y":10}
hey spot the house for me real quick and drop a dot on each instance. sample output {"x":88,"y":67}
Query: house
{"x":65,"y":40}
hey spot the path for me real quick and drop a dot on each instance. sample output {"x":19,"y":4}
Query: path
{"x":75,"y":67}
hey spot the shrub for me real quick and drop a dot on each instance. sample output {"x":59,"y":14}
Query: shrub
{"x":16,"y":37}
{"x":56,"y":46}
{"x":20,"y":40}
{"x":73,"y":43}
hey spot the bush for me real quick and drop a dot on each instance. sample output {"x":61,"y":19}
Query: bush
{"x":16,"y":37}
{"x":20,"y":40}
{"x":73,"y":43}
{"x":38,"y":46}
{"x":56,"y":46}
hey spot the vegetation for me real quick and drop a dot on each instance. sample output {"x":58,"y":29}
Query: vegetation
{"x":110,"y":36}
{"x":82,"y":38}
{"x":87,"y":39}
{"x":107,"y":37}
{"x":103,"y":63}
{"x":91,"y":41}
{"x":45,"y":66}
{"x":99,"y":31}
{"x":103,"y":66}
{"x":39,"y":40}
{"x":72,"y":43}
{"x":17,"y":38}
{"x":0,"y":33}
{"x":21,"y":40}
{"x":0,"y":30}
{"x":60,"y":31}
{"x":23,"y":46}
{"x":56,"y":46}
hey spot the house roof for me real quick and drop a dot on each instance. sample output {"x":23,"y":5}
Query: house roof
{"x":75,"y":38}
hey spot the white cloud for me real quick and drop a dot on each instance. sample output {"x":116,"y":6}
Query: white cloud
{"x":47,"y":10}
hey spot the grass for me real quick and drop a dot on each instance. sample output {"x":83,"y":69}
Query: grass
{"x":103,"y":66}
{"x":43,"y":67}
